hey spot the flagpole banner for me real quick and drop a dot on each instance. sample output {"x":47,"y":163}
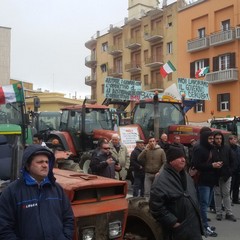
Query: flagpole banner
{"x":167,"y":68}
{"x":11,"y":93}
{"x":122,"y":89}
{"x":193,"y":89}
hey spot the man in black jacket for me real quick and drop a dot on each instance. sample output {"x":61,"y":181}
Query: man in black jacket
{"x":202,"y":161}
{"x":173,"y":199}
{"x":138,"y":169}
{"x":222,"y":153}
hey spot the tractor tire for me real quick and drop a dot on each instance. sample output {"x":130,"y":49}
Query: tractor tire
{"x":84,"y":163}
{"x":140,"y":223}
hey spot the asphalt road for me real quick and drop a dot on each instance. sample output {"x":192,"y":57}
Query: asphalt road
{"x":226,"y":230}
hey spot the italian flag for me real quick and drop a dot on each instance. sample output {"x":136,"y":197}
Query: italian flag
{"x":201,"y":72}
{"x":11,"y":93}
{"x":167,"y":68}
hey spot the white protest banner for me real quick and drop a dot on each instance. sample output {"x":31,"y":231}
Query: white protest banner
{"x":129,"y":135}
{"x":122,"y":89}
{"x":193,"y":89}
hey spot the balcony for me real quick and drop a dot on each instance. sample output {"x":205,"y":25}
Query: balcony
{"x":115,"y":50}
{"x":133,"y":43}
{"x":222,"y":37}
{"x":132,"y":21}
{"x":222,"y":76}
{"x":114,"y":29}
{"x":91,"y":61}
{"x":197,"y":44}
{"x":115,"y":72}
{"x":237,"y":31}
{"x":154,"y":61}
{"x":132,"y":67}
{"x":153,"y":36}
{"x":90,"y":80}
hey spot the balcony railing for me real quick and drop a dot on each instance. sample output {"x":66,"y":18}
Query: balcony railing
{"x":133,"y":43}
{"x":91,"y":61}
{"x":197,"y":44}
{"x":115,"y":50}
{"x":222,"y":76}
{"x":154,"y":61}
{"x":115,"y":72}
{"x":153,"y":36}
{"x":133,"y":67}
{"x":155,"y":86}
{"x":222,"y":37}
{"x":90,"y":80}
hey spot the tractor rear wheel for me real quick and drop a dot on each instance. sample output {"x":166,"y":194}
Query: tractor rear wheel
{"x":140,"y":223}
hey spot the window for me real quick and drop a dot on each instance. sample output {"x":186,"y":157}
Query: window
{"x":200,"y":106}
{"x":169,"y":21}
{"x":104,"y":67}
{"x":223,"y":102}
{"x":169,"y":47}
{"x":146,"y":80}
{"x":169,"y":77}
{"x":103,"y":85}
{"x":201,"y":32}
{"x":224,"y":62}
{"x":194,"y":66}
{"x":105,"y":47}
{"x":226,"y":25}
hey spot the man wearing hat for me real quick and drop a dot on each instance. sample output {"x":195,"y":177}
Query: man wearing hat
{"x":138,"y":170}
{"x":35,"y":206}
{"x":173,"y":199}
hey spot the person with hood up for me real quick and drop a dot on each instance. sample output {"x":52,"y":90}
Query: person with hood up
{"x":203,"y":162}
{"x":173,"y":200}
{"x":34,"y":206}
{"x":222,"y":153}
{"x":152,"y":158}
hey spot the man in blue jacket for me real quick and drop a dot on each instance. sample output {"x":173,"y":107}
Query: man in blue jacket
{"x":35,"y":206}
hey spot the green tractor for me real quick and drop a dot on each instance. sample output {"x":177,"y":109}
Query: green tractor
{"x":14,"y":132}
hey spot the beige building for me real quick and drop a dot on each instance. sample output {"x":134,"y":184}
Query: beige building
{"x":135,"y":50}
{"x":5,"y":42}
{"x":49,"y":101}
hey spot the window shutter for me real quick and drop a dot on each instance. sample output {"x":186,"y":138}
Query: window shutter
{"x":206,"y":62}
{"x":218,"y":102}
{"x":192,"y":70}
{"x":232,"y":60}
{"x":215,"y":64}
{"x":203,"y":105}
{"x":228,"y":99}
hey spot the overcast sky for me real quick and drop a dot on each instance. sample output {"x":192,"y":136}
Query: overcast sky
{"x":48,"y":37}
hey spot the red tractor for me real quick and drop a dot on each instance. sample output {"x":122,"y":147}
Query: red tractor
{"x":81,"y":126}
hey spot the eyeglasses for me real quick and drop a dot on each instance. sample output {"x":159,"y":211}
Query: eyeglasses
{"x":210,"y":138}
{"x":107,"y":148}
{"x":218,"y":138}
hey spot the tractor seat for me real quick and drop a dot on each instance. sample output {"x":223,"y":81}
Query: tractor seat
{"x":5,"y":159}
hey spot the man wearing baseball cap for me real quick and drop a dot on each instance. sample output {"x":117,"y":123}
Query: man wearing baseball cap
{"x":34,"y":206}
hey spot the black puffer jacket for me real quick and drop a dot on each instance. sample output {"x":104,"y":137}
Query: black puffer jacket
{"x":223,"y":153}
{"x":173,"y":199}
{"x":202,"y":161}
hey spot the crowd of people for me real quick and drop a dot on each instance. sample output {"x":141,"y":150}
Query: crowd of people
{"x":180,"y":183}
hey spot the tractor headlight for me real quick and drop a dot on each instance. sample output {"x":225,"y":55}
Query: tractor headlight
{"x":88,"y":234}
{"x":115,"y":229}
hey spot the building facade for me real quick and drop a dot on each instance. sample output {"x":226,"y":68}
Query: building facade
{"x":191,"y":34}
{"x":5,"y":43}
{"x":135,"y":50}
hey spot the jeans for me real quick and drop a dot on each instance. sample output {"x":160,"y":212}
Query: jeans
{"x":149,"y":178}
{"x":138,"y":186}
{"x":235,"y":187}
{"x":205,"y":196}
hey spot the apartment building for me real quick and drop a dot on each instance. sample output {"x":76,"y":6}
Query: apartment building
{"x":191,"y":34}
{"x":209,"y":35}
{"x":5,"y":43}
{"x":136,"y":49}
